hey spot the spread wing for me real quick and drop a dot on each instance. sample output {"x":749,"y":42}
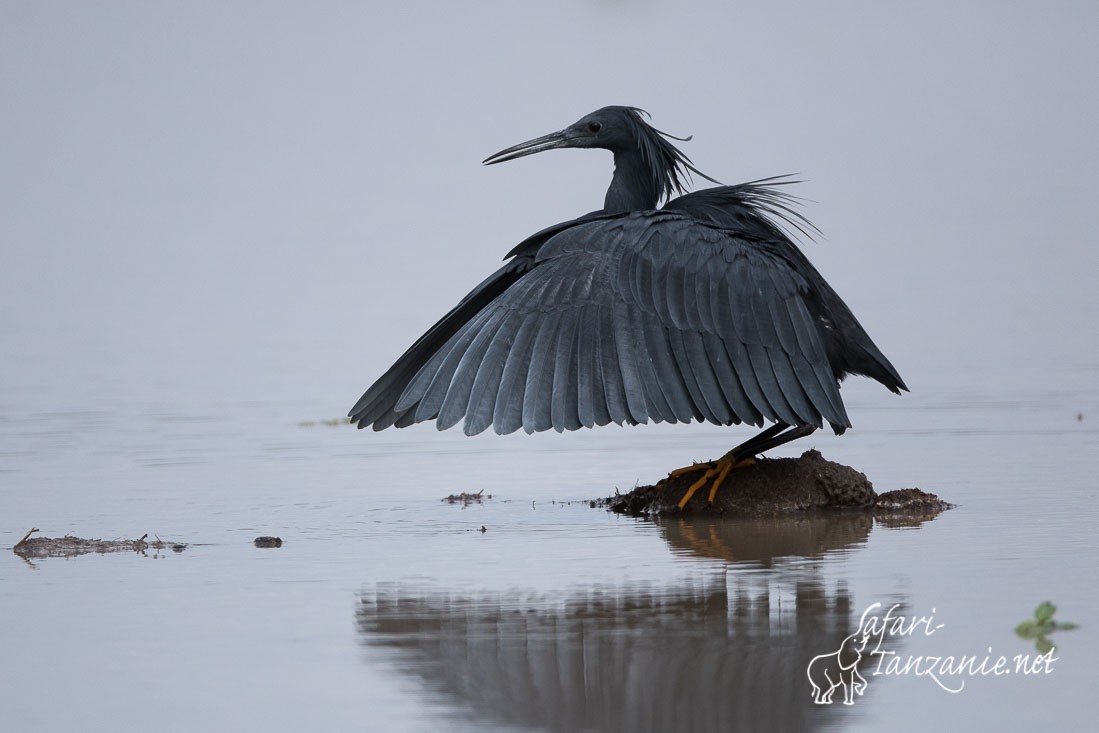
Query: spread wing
{"x":654,"y":316}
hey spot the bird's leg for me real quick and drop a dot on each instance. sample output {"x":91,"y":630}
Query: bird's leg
{"x":739,"y":457}
{"x":717,"y":470}
{"x":744,"y":449}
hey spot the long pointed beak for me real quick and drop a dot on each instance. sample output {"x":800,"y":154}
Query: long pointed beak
{"x":530,"y":147}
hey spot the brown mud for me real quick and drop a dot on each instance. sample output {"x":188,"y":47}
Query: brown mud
{"x":773,"y":487}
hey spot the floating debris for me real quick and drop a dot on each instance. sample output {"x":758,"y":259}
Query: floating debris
{"x":465,"y":499}
{"x":70,"y":546}
{"x":266,"y":541}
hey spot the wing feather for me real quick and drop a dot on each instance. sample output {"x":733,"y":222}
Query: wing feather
{"x":648,"y":316}
{"x":656,"y":403}
{"x":564,"y":397}
{"x":610,"y":371}
{"x":769,"y":384}
{"x":508,"y":410}
{"x":730,"y":383}
{"x":539,"y":386}
{"x":717,"y":407}
{"x":669,"y":380}
{"x":456,"y":402}
{"x":591,"y":385}
{"x":687,"y":372}
{"x":631,"y":365}
{"x":486,"y":384}
{"x":442,"y":368}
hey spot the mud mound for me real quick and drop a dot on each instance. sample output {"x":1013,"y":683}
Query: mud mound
{"x":779,"y":486}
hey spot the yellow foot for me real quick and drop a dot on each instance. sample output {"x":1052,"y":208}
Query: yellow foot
{"x":714,"y":470}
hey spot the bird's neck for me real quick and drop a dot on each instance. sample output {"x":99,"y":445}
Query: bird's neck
{"x":633,"y":186}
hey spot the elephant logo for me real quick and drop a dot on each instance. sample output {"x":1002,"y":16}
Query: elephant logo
{"x":839,"y":668}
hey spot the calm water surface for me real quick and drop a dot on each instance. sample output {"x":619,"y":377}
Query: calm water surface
{"x":389,"y":609}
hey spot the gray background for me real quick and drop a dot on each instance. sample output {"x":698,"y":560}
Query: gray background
{"x":268,"y":199}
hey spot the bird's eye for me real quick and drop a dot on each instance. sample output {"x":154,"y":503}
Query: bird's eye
{"x":595,"y":126}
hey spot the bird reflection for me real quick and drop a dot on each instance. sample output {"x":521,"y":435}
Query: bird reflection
{"x":709,"y":655}
{"x":723,"y":651}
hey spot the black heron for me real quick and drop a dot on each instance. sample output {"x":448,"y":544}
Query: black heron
{"x":703,"y":309}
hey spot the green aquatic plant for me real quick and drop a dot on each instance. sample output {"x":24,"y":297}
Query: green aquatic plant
{"x":1039,"y":627}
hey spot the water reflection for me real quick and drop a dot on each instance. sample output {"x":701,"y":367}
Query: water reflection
{"x":765,"y":540}
{"x":723,"y":650}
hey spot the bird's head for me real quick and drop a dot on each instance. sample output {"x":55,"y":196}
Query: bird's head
{"x":611,"y":128}
{"x":626,"y":132}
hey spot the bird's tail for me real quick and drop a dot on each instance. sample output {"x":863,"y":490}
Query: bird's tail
{"x":866,"y":359}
